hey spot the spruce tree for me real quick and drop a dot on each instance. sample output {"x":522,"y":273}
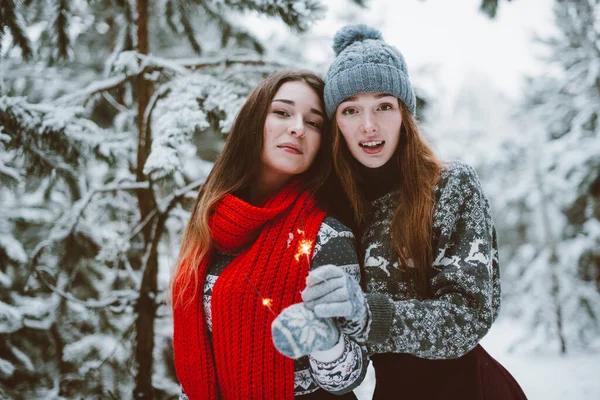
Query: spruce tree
{"x":555,"y":283}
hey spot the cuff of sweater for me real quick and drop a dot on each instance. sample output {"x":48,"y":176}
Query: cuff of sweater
{"x":382,"y":312}
{"x":331,"y":354}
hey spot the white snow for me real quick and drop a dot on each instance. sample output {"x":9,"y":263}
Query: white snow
{"x":97,"y":347}
{"x":11,"y":319}
{"x":13,"y":248}
{"x":6,"y":368}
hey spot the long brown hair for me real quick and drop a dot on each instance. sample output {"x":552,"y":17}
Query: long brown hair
{"x":419,"y":173}
{"x":236,"y":168}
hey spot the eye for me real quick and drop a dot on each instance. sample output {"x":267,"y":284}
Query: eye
{"x":385,"y":107}
{"x":314,"y":124}
{"x":349,"y":111}
{"x":283,"y":113}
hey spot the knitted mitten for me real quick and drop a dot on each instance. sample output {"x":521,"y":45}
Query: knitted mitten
{"x":298,"y":332}
{"x":332,"y":293}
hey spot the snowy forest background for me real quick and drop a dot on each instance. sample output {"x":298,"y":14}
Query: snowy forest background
{"x":112,"y":112}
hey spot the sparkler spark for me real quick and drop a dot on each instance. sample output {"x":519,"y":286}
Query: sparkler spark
{"x":304,"y":248}
{"x":265,"y":301}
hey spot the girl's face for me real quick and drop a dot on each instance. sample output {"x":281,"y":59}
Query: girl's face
{"x":292,"y":132}
{"x":370,"y":123}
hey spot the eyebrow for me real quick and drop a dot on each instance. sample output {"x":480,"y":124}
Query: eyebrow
{"x":377,"y":96}
{"x":290,"y":102}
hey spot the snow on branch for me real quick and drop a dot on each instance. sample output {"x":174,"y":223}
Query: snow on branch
{"x":67,"y":226}
{"x":297,"y":14}
{"x":229,"y":60}
{"x":93,"y":89}
{"x":12,"y":21}
{"x":48,"y":137}
{"x":12,"y":248}
{"x":9,"y":176}
{"x":189,"y":104}
{"x":169,"y":202}
{"x":131,"y":63}
{"x":86,"y":350}
{"x":115,"y":301}
{"x":11,"y":319}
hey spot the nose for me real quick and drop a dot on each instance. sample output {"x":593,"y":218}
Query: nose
{"x":296,"y":127}
{"x":368,"y":124}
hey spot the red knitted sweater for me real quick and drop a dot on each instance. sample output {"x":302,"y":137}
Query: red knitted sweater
{"x":242,"y":362}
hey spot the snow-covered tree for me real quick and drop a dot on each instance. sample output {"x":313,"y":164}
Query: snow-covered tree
{"x":555,"y":275}
{"x":98,"y":165}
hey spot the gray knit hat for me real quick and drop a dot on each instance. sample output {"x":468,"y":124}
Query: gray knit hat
{"x":365,"y":63}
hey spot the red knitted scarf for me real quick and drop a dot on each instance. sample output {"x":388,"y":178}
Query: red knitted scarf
{"x":243,"y":363}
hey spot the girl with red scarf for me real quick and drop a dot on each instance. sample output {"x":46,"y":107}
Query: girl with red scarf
{"x":255,"y":231}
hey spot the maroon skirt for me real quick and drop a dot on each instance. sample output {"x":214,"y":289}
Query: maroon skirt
{"x":474,"y":376}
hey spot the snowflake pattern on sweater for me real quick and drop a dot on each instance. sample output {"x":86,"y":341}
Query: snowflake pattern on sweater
{"x":464,"y":281}
{"x":334,"y":245}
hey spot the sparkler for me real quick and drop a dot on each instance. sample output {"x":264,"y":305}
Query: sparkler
{"x":265,"y":300}
{"x":304,"y":249}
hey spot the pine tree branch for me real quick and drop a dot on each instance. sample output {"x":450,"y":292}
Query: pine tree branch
{"x":119,"y":46}
{"x":126,"y":297}
{"x":227,"y":61}
{"x":489,"y":7}
{"x":170,"y":16}
{"x":169,"y":202}
{"x":138,"y":228}
{"x":56,"y":164}
{"x":93,"y":89}
{"x":188,"y":29}
{"x":297,"y":14}
{"x":62,"y":232}
{"x":157,"y":232}
{"x":12,"y":20}
{"x":153,"y":63}
{"x":229,"y":30}
{"x":156,"y":63}
{"x":62,"y":29}
{"x":9,"y":176}
{"x":129,"y":270}
{"x":113,"y":102}
{"x":157,"y":95}
{"x":130,"y":41}
{"x":125,"y":333}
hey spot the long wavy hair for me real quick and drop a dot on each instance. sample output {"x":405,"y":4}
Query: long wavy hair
{"x":236,"y":168}
{"x":413,"y":218}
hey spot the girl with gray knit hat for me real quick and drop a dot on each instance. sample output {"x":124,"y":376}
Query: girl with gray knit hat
{"x":430,"y":259}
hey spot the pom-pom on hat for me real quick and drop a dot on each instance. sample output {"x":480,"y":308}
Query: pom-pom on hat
{"x":366,"y":63}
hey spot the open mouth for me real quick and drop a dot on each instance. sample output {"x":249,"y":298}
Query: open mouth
{"x":373,"y":146}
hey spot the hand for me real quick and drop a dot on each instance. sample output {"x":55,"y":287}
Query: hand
{"x":332,"y":293}
{"x":298,"y":332}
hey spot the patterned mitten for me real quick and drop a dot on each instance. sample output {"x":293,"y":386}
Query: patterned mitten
{"x":332,"y":293}
{"x":298,"y":332}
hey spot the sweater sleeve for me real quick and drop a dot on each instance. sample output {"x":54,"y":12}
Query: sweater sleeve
{"x":341,"y":374}
{"x":464,"y":288}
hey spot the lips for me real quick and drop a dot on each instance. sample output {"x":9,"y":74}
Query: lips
{"x":290,"y":148}
{"x":372,"y":146}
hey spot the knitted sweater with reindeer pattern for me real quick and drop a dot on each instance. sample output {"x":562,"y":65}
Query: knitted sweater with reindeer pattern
{"x":464,"y":284}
